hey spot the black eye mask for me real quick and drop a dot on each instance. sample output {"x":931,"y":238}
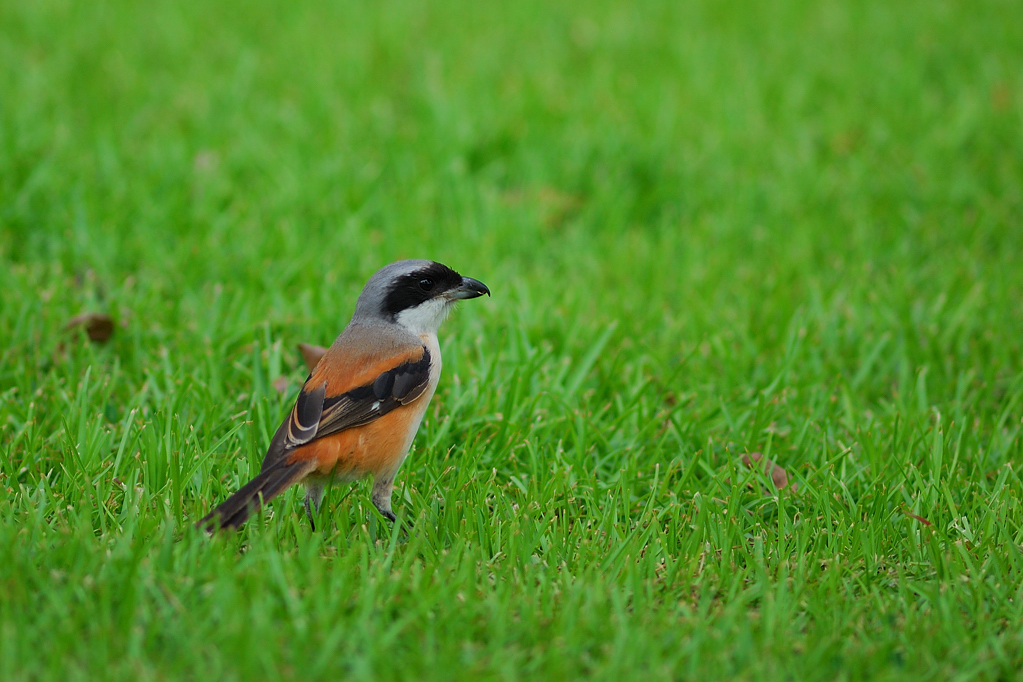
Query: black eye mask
{"x":420,"y":286}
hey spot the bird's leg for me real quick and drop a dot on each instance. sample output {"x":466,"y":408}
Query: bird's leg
{"x":382,"y":488}
{"x":313,"y":498}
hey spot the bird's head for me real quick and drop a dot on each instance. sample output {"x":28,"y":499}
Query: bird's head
{"x":417,"y":294}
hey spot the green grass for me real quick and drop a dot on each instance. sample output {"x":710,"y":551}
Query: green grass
{"x":710,"y":229}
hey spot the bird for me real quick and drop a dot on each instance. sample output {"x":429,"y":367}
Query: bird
{"x":361,"y":406}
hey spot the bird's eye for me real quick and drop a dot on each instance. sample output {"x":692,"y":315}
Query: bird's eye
{"x":426,"y":284}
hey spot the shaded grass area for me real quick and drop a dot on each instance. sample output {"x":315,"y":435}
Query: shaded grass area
{"x":710,"y":230}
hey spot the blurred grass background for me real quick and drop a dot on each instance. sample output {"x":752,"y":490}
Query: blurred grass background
{"x":710,"y":228}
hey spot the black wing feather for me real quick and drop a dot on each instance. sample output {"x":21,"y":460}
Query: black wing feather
{"x":316,"y":416}
{"x":360,"y":406}
{"x":305,"y":418}
{"x":383,"y":384}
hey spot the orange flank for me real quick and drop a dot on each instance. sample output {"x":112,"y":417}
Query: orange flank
{"x":377,"y":448}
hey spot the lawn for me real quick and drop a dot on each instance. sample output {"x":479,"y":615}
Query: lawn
{"x":711,"y":229}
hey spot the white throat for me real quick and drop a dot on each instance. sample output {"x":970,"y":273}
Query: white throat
{"x":426,"y":317}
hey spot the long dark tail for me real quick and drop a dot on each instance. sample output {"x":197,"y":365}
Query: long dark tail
{"x":270,"y":483}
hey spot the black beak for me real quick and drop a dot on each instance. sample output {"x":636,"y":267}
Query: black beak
{"x":469,"y":288}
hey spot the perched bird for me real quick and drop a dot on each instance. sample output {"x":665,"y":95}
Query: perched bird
{"x":362,"y":404}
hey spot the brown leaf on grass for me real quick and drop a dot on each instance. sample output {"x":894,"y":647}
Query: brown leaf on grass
{"x":311,"y":354}
{"x":918,"y":518}
{"x":281,"y":383}
{"x":778,"y":475}
{"x":99,"y":327}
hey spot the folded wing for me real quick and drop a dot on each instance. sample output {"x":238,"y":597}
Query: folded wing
{"x":317,"y":414}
